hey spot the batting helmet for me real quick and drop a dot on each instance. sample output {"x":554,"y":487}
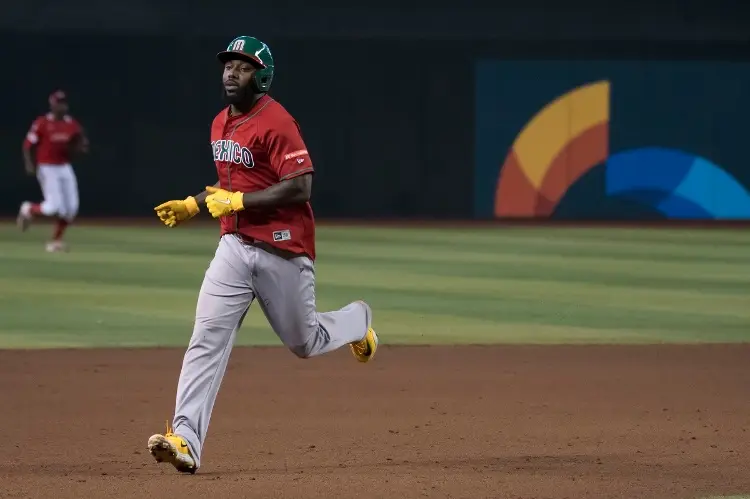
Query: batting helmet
{"x":255,"y":52}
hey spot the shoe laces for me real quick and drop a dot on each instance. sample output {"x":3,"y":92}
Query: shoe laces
{"x":362,"y":346}
{"x":170,"y":431}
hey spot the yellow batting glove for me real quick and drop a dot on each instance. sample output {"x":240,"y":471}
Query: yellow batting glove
{"x":221,"y":203}
{"x":174,"y":212}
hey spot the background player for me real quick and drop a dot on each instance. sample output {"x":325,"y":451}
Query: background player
{"x":47,"y":150}
{"x":266,"y":250}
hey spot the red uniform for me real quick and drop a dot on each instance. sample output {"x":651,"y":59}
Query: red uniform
{"x":253,"y":152}
{"x":53,"y":139}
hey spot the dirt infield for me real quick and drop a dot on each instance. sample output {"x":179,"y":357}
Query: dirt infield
{"x":469,"y":422}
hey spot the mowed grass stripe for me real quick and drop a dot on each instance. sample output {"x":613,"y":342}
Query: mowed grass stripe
{"x":721,"y":242}
{"x":550,"y":257}
{"x":138,"y":286}
{"x":621,"y":294}
{"x":634,"y":251}
{"x":688,"y":240}
{"x":613,"y":272}
{"x":518,"y":311}
{"x":394,"y":253}
{"x":544,"y":291}
{"x":720,"y":277}
{"x":178,"y":303}
{"x":102,"y":267}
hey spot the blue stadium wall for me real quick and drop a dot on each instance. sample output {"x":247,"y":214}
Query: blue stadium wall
{"x":670,"y":136}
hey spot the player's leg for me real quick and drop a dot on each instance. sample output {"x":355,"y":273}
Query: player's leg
{"x":68,"y":208}
{"x":223,"y":301}
{"x":51,"y":187}
{"x":51,"y":182}
{"x":286,"y":293}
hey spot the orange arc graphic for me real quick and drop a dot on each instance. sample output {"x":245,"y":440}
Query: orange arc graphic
{"x":560,"y":143}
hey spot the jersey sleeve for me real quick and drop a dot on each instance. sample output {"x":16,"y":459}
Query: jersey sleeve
{"x":77,"y":129}
{"x":287,"y":151}
{"x":33,"y":135}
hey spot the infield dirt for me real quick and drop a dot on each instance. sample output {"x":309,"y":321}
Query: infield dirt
{"x":470,"y":422}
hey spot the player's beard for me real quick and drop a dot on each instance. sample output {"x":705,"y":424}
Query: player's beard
{"x":242,"y":98}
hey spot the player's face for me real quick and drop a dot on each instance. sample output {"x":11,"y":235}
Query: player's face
{"x":59,"y":108}
{"x":237,"y":77}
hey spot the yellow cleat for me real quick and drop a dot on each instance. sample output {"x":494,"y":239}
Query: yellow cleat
{"x":172,"y":449}
{"x":364,"y":350}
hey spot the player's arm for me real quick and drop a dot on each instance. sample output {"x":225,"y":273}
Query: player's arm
{"x":291,"y":191}
{"x":80,"y":143}
{"x":289,"y":157}
{"x":29,"y":145}
{"x":28,"y":159}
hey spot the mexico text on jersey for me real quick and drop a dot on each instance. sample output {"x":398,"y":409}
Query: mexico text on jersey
{"x":253,"y":152}
{"x":229,"y":151}
{"x":53,"y":139}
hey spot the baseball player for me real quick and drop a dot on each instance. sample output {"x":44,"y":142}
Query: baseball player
{"x":266,"y":250}
{"x":55,"y":137}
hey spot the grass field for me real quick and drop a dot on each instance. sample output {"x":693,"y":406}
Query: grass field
{"x":131,"y":286}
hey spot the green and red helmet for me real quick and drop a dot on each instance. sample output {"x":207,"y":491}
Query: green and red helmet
{"x":257,"y":53}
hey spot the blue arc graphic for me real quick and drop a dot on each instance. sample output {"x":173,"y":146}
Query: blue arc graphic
{"x":678,"y":184}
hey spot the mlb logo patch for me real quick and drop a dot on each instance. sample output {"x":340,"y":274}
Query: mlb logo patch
{"x":282,"y":235}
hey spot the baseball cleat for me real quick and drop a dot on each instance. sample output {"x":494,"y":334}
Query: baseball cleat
{"x":56,"y":247}
{"x":23,"y":220}
{"x":364,"y":350}
{"x":172,"y":449}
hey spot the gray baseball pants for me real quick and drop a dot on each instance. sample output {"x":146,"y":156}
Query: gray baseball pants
{"x":285,"y":289}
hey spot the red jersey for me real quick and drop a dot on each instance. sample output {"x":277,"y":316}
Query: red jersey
{"x":53,"y":139}
{"x":253,"y":152}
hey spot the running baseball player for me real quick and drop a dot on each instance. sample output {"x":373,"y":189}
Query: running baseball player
{"x":48,"y":148}
{"x":266,"y":250}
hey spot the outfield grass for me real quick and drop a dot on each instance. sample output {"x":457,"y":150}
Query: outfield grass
{"x":129,"y":286}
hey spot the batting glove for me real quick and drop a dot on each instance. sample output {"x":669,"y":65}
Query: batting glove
{"x":174,"y":212}
{"x":221,"y":203}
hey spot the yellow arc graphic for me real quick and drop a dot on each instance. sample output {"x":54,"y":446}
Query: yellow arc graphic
{"x":556,"y":125}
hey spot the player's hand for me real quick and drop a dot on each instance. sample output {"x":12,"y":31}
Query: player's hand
{"x":174,"y":212}
{"x":221,"y":203}
{"x":30,"y":169}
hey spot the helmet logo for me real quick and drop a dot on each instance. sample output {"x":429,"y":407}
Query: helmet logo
{"x":261,"y":49}
{"x":238,"y":45}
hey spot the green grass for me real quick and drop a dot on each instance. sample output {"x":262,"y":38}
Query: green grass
{"x":129,"y":286}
